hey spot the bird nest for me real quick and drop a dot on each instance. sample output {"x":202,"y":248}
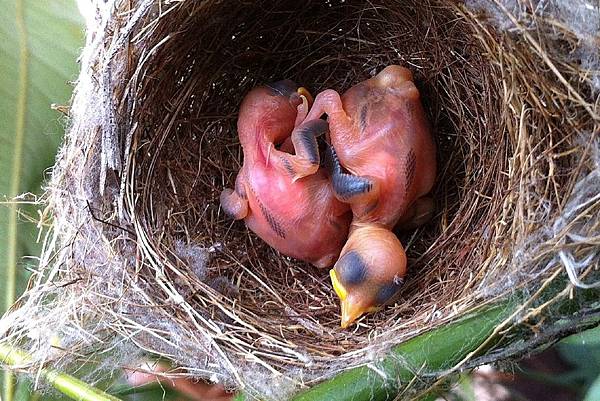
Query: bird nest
{"x":141,"y":245}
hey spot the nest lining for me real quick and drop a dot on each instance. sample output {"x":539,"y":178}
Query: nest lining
{"x":177,"y":277}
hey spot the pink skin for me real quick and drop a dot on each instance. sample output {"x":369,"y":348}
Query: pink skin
{"x":379,"y":131}
{"x":296,"y":214}
{"x":381,"y":137}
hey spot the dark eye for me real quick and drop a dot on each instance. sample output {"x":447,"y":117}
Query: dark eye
{"x":351,"y":269}
{"x":387,"y":291}
{"x":284,"y":88}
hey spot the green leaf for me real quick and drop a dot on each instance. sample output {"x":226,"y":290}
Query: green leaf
{"x":589,"y":337}
{"x":39,"y":45}
{"x":582,"y":351}
{"x":593,"y":393}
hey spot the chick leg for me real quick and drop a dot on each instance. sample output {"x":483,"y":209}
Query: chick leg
{"x":329,"y":102}
{"x":305,"y":161}
{"x":350,"y":188}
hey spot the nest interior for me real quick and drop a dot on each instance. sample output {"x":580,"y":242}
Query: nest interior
{"x":189,"y":152}
{"x":187,"y":70}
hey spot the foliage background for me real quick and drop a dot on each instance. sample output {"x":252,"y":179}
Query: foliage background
{"x":39,"y":44}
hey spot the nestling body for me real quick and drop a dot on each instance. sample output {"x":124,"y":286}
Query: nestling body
{"x":383,"y":164}
{"x":284,"y":197}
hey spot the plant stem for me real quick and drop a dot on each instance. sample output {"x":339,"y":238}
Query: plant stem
{"x":11,"y":268}
{"x":66,"y":384}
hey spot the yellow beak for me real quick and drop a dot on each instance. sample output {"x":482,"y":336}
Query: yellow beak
{"x":350,"y":312}
{"x":350,"y":309}
{"x":302,"y":91}
{"x":337,"y":286}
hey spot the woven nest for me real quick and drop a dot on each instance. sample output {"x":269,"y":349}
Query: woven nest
{"x":143,"y":244}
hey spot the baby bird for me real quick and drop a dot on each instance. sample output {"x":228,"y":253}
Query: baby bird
{"x":281,"y":192}
{"x":380,"y":136}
